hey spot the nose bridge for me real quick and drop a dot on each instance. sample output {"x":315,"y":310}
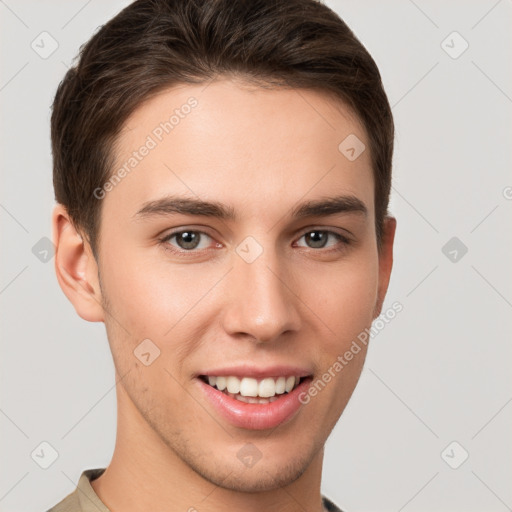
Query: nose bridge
{"x":261,"y":302}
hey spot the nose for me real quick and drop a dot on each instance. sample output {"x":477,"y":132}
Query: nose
{"x":260,"y":299}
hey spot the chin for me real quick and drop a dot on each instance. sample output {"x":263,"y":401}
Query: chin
{"x":261,"y":477}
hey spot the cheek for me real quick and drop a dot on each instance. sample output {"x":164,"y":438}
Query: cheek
{"x":151,"y":298}
{"x":147,"y":295}
{"x":344,"y":299}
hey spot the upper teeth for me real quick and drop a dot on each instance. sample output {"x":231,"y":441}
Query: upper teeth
{"x":247,"y":386}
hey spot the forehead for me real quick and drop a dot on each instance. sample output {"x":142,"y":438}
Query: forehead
{"x":254,"y":149}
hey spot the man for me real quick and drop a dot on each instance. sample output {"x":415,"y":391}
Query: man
{"x":222,"y":173}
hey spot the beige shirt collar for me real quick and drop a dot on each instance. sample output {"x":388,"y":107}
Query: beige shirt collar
{"x":89,"y":500}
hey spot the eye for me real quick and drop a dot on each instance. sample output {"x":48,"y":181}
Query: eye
{"x":187,"y":240}
{"x":192,"y":241}
{"x":317,"y":239}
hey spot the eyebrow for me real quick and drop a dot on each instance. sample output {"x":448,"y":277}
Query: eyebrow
{"x":170,"y":204}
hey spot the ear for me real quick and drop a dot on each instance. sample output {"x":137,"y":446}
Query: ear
{"x":76,"y":268}
{"x":385,"y":262}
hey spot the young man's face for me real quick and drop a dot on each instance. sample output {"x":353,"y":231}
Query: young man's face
{"x":265,"y":295}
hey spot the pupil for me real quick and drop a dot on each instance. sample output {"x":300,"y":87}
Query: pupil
{"x":317,"y":237}
{"x":190,"y":240}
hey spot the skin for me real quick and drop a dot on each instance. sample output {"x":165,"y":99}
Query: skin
{"x":260,"y":151}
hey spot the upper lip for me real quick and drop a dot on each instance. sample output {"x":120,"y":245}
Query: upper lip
{"x":258,"y":373}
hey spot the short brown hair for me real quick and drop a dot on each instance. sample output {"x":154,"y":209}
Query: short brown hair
{"x":152,"y":45}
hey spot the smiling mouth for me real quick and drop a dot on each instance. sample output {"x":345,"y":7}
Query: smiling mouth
{"x":254,"y":391}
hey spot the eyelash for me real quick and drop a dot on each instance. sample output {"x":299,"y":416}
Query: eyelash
{"x":181,"y":252}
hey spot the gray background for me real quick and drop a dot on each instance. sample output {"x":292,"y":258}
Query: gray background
{"x":438,"y":373}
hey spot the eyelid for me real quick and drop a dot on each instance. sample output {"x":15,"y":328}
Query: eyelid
{"x":302,"y":231}
{"x":328,"y":229}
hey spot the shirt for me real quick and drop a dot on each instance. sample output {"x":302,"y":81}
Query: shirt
{"x":84,"y":499}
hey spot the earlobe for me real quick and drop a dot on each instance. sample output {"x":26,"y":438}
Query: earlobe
{"x":385,"y":262}
{"x":75,"y":267}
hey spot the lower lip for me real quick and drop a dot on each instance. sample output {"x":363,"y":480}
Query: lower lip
{"x":255,"y":416}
